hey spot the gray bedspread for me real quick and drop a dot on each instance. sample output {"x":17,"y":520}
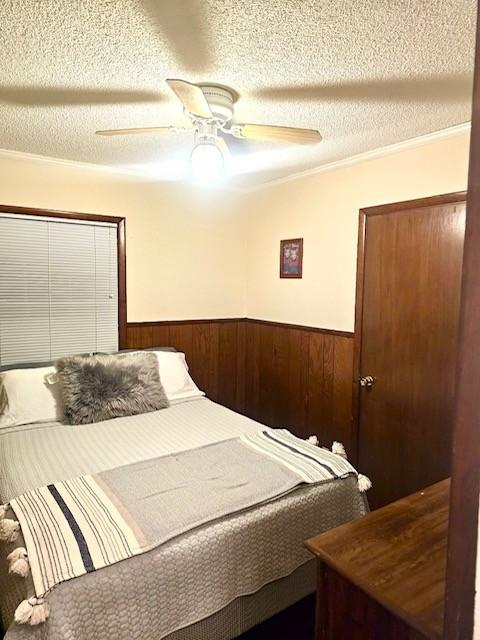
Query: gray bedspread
{"x":189,"y":577}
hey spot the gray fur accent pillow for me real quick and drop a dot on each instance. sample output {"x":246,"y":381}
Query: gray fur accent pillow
{"x":101,"y":387}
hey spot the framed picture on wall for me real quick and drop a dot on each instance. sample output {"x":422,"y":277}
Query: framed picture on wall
{"x":291,"y":258}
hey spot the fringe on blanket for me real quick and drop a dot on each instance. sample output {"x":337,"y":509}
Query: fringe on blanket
{"x":9,"y":529}
{"x":18,"y":562}
{"x":363,"y":482}
{"x":32,"y":611}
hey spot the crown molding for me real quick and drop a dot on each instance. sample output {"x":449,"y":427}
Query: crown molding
{"x":379,"y":152}
{"x":74,"y":164}
{"x":104,"y":168}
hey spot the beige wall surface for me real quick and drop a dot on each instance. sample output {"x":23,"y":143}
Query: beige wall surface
{"x":184,"y":244}
{"x":323,"y":209}
{"x":205,"y":253}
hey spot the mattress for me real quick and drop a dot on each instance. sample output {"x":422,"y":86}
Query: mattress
{"x":192,"y":577}
{"x":34,"y":455}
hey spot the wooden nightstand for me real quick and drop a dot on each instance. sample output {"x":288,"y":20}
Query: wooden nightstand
{"x":382,"y":577}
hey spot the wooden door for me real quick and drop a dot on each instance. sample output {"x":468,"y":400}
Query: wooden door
{"x":408,"y":297}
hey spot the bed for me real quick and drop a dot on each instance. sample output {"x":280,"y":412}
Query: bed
{"x":214,"y":581}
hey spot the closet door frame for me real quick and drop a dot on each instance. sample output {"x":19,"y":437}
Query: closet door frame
{"x":121,"y":252}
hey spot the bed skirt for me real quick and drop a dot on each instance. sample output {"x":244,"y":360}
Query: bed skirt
{"x":247,"y":611}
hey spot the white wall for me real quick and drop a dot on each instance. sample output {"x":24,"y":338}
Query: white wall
{"x":184,"y":244}
{"x":323,"y":209}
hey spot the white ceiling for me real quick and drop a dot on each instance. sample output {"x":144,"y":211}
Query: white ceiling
{"x":366,"y":73}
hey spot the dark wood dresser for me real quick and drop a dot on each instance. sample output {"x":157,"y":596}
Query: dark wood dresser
{"x":382,"y":577}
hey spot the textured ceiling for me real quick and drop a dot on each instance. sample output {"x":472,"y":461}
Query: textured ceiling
{"x":366,"y":73}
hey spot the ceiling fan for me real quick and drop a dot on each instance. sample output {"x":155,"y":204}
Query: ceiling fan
{"x":210,"y":109}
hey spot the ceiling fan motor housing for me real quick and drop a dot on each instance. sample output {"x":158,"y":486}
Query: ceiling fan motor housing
{"x":220,"y":101}
{"x":206,"y":133}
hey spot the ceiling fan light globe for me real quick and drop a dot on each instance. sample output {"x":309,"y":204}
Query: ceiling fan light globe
{"x":207,"y":161}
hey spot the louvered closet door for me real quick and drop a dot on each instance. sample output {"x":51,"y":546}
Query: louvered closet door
{"x":58,"y":289}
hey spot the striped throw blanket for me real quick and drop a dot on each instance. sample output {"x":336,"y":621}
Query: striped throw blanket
{"x":309,"y":462}
{"x":78,"y":526}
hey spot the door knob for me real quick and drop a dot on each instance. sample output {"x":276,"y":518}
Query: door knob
{"x":367,"y":381}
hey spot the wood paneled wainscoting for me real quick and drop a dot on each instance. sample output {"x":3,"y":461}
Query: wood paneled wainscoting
{"x":215,"y":351}
{"x":282,"y":375}
{"x":300,"y":378}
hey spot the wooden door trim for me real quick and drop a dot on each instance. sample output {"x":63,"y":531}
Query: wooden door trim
{"x":121,"y":251}
{"x":407,"y":205}
{"x":269,"y":323}
{"x":419,"y":203}
{"x":465,"y":487}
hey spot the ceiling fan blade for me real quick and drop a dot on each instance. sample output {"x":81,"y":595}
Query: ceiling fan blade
{"x":123,"y":132}
{"x":223,"y":146}
{"x":272,"y":133}
{"x":191,"y":97}
{"x":65,"y":96}
{"x":237,"y":146}
{"x":182,"y":26}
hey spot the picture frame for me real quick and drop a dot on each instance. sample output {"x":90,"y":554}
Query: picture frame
{"x":291,"y":258}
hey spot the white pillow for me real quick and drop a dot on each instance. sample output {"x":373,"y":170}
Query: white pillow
{"x":175,"y":378}
{"x":28,"y":396}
